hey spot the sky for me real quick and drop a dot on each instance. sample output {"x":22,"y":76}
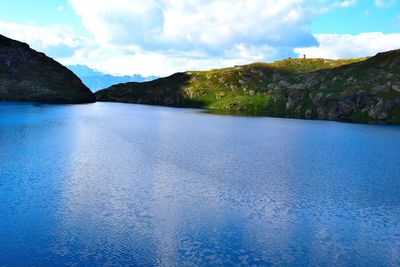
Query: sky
{"x":160,"y":37}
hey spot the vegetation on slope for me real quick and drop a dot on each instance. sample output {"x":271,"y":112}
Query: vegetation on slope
{"x":361,"y":90}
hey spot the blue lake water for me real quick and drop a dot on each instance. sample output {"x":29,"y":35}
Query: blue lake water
{"x":127,"y":185}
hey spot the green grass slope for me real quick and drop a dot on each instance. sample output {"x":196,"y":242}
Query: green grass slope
{"x":359,"y":90}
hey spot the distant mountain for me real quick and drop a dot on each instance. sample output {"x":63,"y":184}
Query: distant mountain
{"x":28,"y":75}
{"x":354,"y":90}
{"x":97,"y":80}
{"x":84,"y":71}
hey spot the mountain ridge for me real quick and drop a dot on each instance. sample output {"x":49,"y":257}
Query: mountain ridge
{"x":97,"y":80}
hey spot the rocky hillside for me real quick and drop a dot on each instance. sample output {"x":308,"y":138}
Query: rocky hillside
{"x":27,"y":75}
{"x":356,"y":90}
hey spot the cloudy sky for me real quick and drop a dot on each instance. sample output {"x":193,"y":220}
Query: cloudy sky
{"x":159,"y":37}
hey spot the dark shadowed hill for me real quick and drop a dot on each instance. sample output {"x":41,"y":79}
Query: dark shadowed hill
{"x":27,"y":75}
{"x":355,"y":90}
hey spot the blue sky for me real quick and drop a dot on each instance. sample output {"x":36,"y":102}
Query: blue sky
{"x":364,"y":16}
{"x":159,"y":37}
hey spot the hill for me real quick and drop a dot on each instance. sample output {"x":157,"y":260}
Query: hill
{"x":355,"y":90}
{"x":27,"y":75}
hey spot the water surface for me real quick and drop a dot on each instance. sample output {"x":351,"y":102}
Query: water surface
{"x":116,"y":185}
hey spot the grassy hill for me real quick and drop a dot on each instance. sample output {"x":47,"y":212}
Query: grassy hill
{"x":357,"y":90}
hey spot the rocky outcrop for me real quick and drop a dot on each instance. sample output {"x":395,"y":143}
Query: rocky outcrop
{"x":364,"y":90}
{"x":27,"y":75}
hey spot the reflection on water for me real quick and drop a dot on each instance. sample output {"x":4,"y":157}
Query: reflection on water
{"x":245,"y":113}
{"x":116,"y":184}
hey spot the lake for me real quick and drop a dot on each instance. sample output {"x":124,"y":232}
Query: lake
{"x":110,"y":184}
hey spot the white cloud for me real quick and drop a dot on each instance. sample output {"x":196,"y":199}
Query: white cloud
{"x":155,"y":64}
{"x":384,"y":3}
{"x":345,"y":3}
{"x":196,"y":24}
{"x":56,"y":40}
{"x":119,"y":21}
{"x":161,"y":63}
{"x":345,"y":45}
{"x":160,"y":37}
